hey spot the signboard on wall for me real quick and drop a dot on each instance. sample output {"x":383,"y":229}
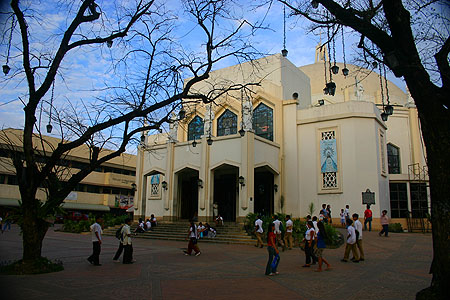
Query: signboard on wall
{"x":124,"y":202}
{"x":368,"y":197}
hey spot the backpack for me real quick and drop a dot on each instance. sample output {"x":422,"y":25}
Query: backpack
{"x":119,"y":235}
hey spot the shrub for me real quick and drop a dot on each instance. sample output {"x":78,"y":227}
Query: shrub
{"x":39,"y":266}
{"x":395,"y":227}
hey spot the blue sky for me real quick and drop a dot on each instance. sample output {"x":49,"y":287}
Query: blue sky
{"x":86,"y":71}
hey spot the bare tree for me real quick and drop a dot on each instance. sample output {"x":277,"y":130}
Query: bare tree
{"x":412,"y":39}
{"x":149,"y":86}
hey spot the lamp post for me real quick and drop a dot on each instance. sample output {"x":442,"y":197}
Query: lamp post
{"x":242,"y":181}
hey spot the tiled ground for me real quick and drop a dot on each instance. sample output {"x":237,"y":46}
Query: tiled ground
{"x":395,"y":268}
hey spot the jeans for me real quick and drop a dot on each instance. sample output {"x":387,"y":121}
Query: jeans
{"x":95,"y":256}
{"x":7,"y":224}
{"x":272,"y":254}
{"x":385,"y":230}
{"x":118,"y":252}
{"x":368,"y":220}
{"x":309,"y":253}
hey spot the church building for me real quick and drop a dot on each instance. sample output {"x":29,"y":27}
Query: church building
{"x":279,"y":143}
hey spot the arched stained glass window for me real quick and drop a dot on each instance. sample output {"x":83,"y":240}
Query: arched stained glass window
{"x":263,"y":121}
{"x":195,"y":128}
{"x":227,"y":123}
{"x":393,"y":153}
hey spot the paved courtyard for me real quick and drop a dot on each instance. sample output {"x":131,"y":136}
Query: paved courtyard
{"x":395,"y":268}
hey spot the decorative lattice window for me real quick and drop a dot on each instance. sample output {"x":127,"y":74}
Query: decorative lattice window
{"x":329,"y":179}
{"x":227,"y":123}
{"x":195,"y":128}
{"x":155,"y":189}
{"x":263,"y":121}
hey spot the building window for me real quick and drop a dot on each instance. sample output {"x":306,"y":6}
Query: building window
{"x":399,"y":200}
{"x":393,"y":159}
{"x":419,"y":200}
{"x":329,"y":179}
{"x":263,"y":121}
{"x":195,"y":129}
{"x":227,"y":123}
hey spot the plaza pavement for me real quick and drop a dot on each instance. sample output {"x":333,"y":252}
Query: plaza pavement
{"x":395,"y":268}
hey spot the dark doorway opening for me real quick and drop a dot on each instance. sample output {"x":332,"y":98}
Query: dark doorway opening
{"x":264,"y":194}
{"x":225,"y":191}
{"x":188,"y":193}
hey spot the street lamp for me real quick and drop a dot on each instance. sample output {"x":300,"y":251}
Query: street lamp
{"x":164,"y":185}
{"x":242,"y":181}
{"x":200,"y":183}
{"x":209,"y":141}
{"x":389,"y":110}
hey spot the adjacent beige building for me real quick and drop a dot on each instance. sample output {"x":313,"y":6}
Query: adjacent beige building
{"x":107,"y":188}
{"x":282,"y":144}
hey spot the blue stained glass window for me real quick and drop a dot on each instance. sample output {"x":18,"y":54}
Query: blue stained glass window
{"x":227,"y":123}
{"x":195,"y":128}
{"x":263,"y":121}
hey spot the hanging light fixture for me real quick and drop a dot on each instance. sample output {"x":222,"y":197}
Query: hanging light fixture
{"x":142,"y":138}
{"x":5,"y":67}
{"x":345,"y":71}
{"x":389,"y":110}
{"x":209,"y":141}
{"x":384,"y":116}
{"x":242,"y":132}
{"x":284,"y":52}
{"x":335,"y":69}
{"x":374,"y":64}
{"x":49,"y":125}
{"x":194,"y":143}
{"x":314,"y":4}
{"x":181,"y":113}
{"x":109,"y":43}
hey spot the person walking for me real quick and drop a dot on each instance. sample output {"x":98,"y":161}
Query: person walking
{"x":330,"y":220}
{"x":127,"y":245}
{"x":347,"y":212}
{"x":288,"y":234}
{"x":192,"y":236}
{"x":384,"y":221}
{"x":368,"y":218}
{"x":351,"y":242}
{"x":274,"y":254}
{"x":96,"y":231}
{"x":278,"y":226}
{"x":309,"y":244}
{"x":324,"y":213}
{"x":321,"y":245}
{"x":119,"y":236}
{"x":259,"y":231}
{"x":359,"y":242}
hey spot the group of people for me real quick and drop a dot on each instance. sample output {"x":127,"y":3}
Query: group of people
{"x":147,"y":225}
{"x":205,"y":231}
{"x":125,"y":244}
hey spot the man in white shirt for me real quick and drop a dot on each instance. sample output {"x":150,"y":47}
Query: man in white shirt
{"x":351,"y":242}
{"x":288,"y":234}
{"x":359,"y":245}
{"x":278,"y":226}
{"x":128,"y":247}
{"x":96,"y":231}
{"x":259,"y":231}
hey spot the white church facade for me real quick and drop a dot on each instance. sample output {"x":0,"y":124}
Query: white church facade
{"x":278,"y":146}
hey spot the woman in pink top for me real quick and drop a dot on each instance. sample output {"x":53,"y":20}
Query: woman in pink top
{"x":384,"y":220}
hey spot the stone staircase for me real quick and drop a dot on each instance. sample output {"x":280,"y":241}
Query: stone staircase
{"x":229,"y":233}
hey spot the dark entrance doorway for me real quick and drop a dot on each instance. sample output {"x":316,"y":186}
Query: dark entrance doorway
{"x":264,"y":193}
{"x":225,"y":191}
{"x":188,"y":193}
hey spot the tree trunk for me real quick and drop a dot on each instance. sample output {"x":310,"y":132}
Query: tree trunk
{"x":34,"y":229}
{"x":435,"y":124}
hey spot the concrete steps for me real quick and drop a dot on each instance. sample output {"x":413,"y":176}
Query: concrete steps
{"x":229,"y":233}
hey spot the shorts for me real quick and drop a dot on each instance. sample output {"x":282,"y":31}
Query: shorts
{"x":318,"y":252}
